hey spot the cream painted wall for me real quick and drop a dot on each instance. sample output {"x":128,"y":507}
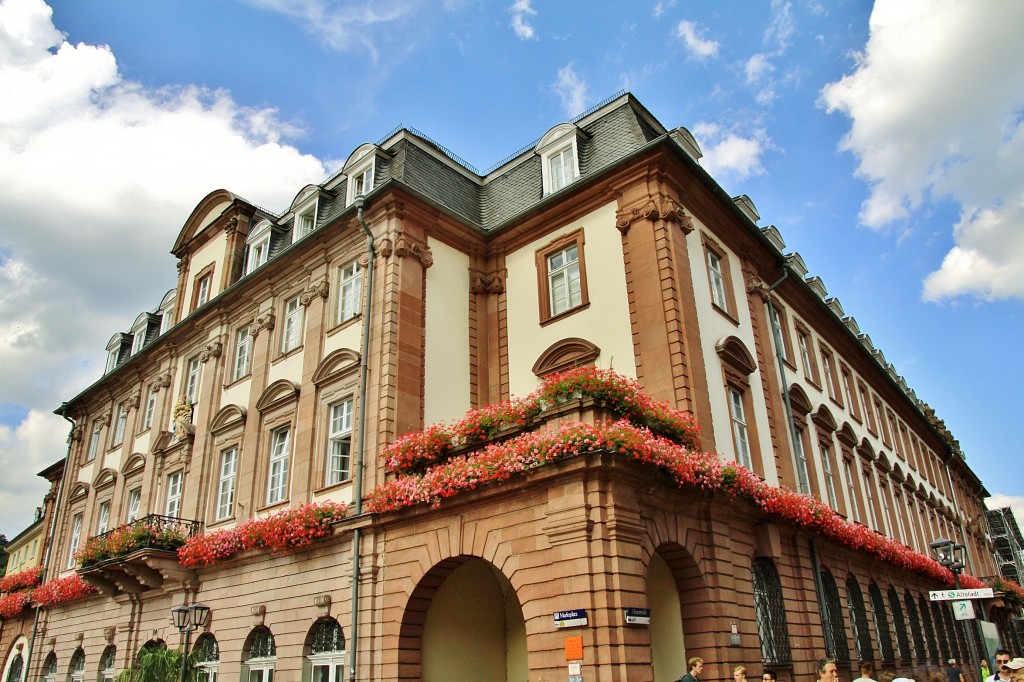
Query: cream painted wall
{"x":605,"y":323}
{"x":668,"y":650}
{"x":715,"y":326}
{"x":141,"y":442}
{"x":290,"y":368}
{"x":211,"y":252}
{"x":446,"y":390}
{"x":237,"y":394}
{"x":350,"y":337}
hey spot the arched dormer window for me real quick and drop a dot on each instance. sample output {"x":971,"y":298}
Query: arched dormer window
{"x":559,"y":152}
{"x":166,"y":310}
{"x":361,"y":171}
{"x":118,"y":350}
{"x":304,"y":208}
{"x":257,"y":246}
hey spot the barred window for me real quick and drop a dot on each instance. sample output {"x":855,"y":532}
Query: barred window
{"x":327,"y":652}
{"x":881,"y":624}
{"x":900,"y":625}
{"x":916,"y":628}
{"x":961,"y":636}
{"x":771,"y":613}
{"x":206,"y":658}
{"x":835,"y":630}
{"x":859,"y":620}
{"x":17,"y":669}
{"x":929,"y":630}
{"x":108,"y":662}
{"x":327,"y":638}
{"x":50,"y":668}
{"x":955,"y":650}
{"x":76,"y":672}
{"x":260,"y":656}
{"x":945,"y":652}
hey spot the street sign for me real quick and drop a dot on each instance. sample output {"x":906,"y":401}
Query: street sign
{"x":953,"y":595}
{"x":963,"y":610}
{"x":570,"y":619}
{"x":636,"y":616}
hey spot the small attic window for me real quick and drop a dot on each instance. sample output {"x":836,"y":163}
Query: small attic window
{"x":117,"y":350}
{"x":560,"y":156}
{"x":166,"y":310}
{"x":257,"y":246}
{"x":360,"y":169}
{"x":304,"y":208}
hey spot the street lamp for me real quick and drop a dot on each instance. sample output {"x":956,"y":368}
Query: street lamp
{"x":188,"y":619}
{"x":951,"y":555}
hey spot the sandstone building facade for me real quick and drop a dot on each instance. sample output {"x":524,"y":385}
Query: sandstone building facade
{"x":409,"y":288}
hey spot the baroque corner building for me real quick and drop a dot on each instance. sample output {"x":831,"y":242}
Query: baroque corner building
{"x":409,"y":289}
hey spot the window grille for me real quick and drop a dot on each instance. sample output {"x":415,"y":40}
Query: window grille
{"x":859,"y":619}
{"x":77,"y":670}
{"x":50,"y":668}
{"x":261,"y":644}
{"x":772,"y":627}
{"x":955,"y":650}
{"x":835,"y":628}
{"x":17,"y":669}
{"x":328,"y":638}
{"x":945,"y":653}
{"x":917,"y":629}
{"x":881,"y":624}
{"x":108,"y":661}
{"x":961,"y":637}
{"x":206,"y":649}
{"x":900,"y":625}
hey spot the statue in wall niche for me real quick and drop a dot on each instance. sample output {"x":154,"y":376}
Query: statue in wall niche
{"x":183,"y":426}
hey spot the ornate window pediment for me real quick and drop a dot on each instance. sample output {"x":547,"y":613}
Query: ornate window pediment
{"x":277,"y":394}
{"x":336,"y":365}
{"x":136,"y":462}
{"x":566,"y":354}
{"x":229,"y":416}
{"x":80,"y":491}
{"x":104,"y":479}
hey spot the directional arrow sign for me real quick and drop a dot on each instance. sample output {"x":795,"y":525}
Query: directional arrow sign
{"x":955,"y":595}
{"x":963,"y":610}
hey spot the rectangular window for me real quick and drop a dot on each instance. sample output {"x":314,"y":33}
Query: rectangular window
{"x":339,"y":442}
{"x":828,"y":369}
{"x":560,"y":166}
{"x":76,"y":537}
{"x":869,"y":486}
{"x":898,"y":513}
{"x":104,"y":521}
{"x":865,"y":400}
{"x":291,"y":332}
{"x":350,"y":284}
{"x":739,"y":427}
{"x":803,"y":341}
{"x":112,"y":359}
{"x":203,"y":289}
{"x":883,"y":495}
{"x":851,"y":487}
{"x":195,"y":370}
{"x":830,"y":484}
{"x":564,"y":280}
{"x":120,"y":422}
{"x":173,"y":508}
{"x":780,"y":331}
{"x":134,"y":504}
{"x":147,"y":416}
{"x":360,"y":183}
{"x":304,"y":223}
{"x":138,"y":340}
{"x":226,"y":483}
{"x":94,"y":441}
{"x":717,"y":280}
{"x":277,"y":475}
{"x":802,"y":477}
{"x":243,"y":352}
{"x":851,"y":397}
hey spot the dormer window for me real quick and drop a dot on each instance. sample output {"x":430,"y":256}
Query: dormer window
{"x":304,"y":223}
{"x":559,"y":151}
{"x":118,"y":349}
{"x":360,"y":169}
{"x":258,"y":246}
{"x":166,"y":310}
{"x":362,"y":182}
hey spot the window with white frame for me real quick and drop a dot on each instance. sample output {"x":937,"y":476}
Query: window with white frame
{"x":76,"y":672}
{"x":76,"y":537}
{"x":564,"y":279}
{"x":360,"y":182}
{"x":869,"y":487}
{"x":166,"y":310}
{"x":134,"y":504}
{"x":717,"y":280}
{"x":803,"y":479}
{"x":739,"y":427}
{"x":192,"y":377}
{"x":173,"y":508}
{"x":804,"y":343}
{"x":898,"y":513}
{"x":350,"y":284}
{"x":206,"y":658}
{"x":147,"y":415}
{"x":50,"y":668}
{"x":851,"y":488}
{"x":258,"y":246}
{"x":104,"y":519}
{"x":94,"y":441}
{"x":16,"y":670}
{"x":561,"y":168}
{"x":120,"y":422}
{"x":327,"y":652}
{"x":291,"y":330}
{"x":108,"y":664}
{"x":138,"y":339}
{"x":226,"y":483}
{"x":203,"y":288}
{"x":304,"y":223}
{"x":112,"y":359}
{"x":277,"y":472}
{"x":339,"y":442}
{"x":827,"y":368}
{"x":260,"y":656}
{"x":243,"y":352}
{"x":830,"y":483}
{"x":560,"y":159}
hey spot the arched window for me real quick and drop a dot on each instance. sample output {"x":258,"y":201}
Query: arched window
{"x":881,"y":624}
{"x":859,"y":620}
{"x":327,"y":652}
{"x":17,"y":669}
{"x":835,"y":640}
{"x":260,"y":656}
{"x":955,"y":651}
{"x":206,"y":658}
{"x":50,"y":668}
{"x":108,"y":661}
{"x":76,"y":671}
{"x":900,"y":625}
{"x":771,"y":613}
{"x":945,"y":652}
{"x":917,"y":628}
{"x":929,"y":630}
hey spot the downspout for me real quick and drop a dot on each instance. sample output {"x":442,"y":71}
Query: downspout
{"x":780,"y":359}
{"x":361,"y":452}
{"x":51,"y":540}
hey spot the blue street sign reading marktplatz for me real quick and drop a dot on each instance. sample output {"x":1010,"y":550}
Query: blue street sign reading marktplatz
{"x":573,"y":618}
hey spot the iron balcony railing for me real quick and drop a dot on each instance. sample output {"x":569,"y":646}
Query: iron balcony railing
{"x":149,"y":532}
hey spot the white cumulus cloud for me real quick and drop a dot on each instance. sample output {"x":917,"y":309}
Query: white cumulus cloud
{"x":572,"y":90}
{"x":935,"y":105}
{"x":698,"y":46}
{"x":96,"y":170}
{"x":728,"y":154}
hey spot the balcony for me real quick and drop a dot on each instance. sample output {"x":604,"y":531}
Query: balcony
{"x":138,"y":556}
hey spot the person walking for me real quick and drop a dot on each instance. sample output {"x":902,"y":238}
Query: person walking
{"x":953,"y":672}
{"x":769,"y":676}
{"x":867,"y":672}
{"x":828,"y":671}
{"x":739,"y":674}
{"x":1002,"y":673}
{"x":696,"y":666}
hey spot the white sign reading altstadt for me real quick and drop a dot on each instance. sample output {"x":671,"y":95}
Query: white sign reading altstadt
{"x":954,"y":595}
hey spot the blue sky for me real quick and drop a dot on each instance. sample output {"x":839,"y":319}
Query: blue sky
{"x":884,"y":140}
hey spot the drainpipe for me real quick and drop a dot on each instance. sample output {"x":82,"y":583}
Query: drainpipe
{"x":50,"y":533}
{"x":361,"y":452}
{"x":779,"y":356}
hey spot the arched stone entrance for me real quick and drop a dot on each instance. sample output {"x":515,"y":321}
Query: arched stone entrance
{"x":675,"y":594}
{"x":463,"y":622}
